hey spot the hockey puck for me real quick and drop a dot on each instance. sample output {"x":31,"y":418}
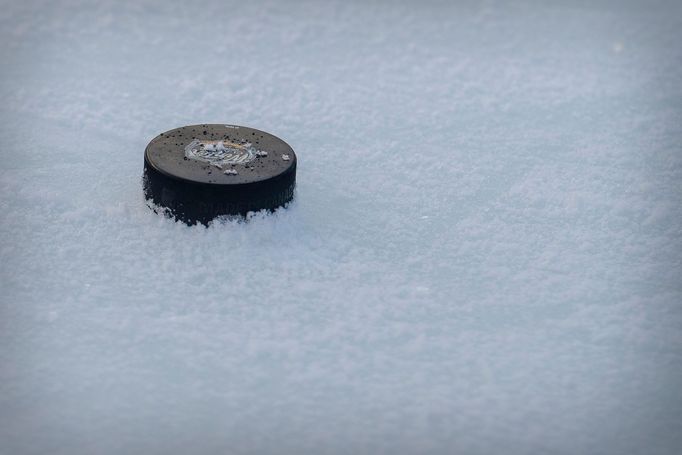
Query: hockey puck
{"x":199,"y":172}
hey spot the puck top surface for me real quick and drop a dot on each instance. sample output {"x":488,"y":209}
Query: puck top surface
{"x":218,"y":154}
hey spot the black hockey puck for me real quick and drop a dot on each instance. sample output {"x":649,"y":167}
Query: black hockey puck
{"x":198,"y":172}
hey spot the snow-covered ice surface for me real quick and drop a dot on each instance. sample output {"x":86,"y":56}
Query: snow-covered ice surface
{"x":484,"y":254}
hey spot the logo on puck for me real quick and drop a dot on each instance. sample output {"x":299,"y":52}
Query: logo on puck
{"x":220,"y":152}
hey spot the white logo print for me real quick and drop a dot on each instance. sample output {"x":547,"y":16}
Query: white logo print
{"x":221,"y":152}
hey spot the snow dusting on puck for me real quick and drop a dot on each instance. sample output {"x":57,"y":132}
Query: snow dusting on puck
{"x":199,"y":172}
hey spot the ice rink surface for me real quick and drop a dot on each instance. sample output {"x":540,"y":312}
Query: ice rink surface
{"x":484,"y":255}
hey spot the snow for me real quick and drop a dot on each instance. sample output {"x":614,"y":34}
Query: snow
{"x":483,"y":254}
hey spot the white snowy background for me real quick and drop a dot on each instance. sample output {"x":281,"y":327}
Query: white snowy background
{"x":484,"y":255}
